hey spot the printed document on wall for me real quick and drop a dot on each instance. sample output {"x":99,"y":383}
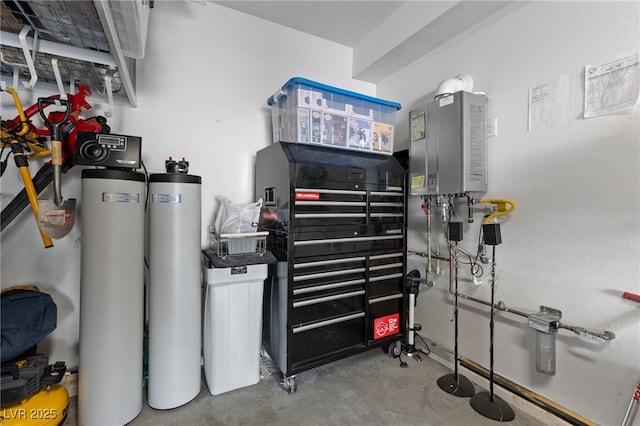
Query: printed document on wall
{"x":612,"y":87}
{"x":551,"y":103}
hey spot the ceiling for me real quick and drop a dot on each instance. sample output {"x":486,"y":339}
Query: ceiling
{"x":343,"y":22}
{"x":385,"y":35}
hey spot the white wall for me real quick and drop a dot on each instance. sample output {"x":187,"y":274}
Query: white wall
{"x":573,"y":242}
{"x":202,"y":94}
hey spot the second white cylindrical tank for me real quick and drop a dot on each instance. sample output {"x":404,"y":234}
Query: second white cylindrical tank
{"x":174,"y":289}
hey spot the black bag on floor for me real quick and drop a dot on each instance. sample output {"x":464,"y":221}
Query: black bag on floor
{"x":26,"y":317}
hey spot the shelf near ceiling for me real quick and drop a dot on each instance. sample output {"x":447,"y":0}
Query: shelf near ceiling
{"x":54,"y":46}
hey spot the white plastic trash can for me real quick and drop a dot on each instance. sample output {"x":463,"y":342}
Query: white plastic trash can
{"x":232,"y":325}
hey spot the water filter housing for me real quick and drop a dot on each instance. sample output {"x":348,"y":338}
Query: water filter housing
{"x":174,"y":289}
{"x":111,"y":297}
{"x":448,"y":150}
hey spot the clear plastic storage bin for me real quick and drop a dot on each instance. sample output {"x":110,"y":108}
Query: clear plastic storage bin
{"x":305,"y":111}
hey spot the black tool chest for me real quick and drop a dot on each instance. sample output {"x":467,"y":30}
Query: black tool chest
{"x":336,"y":222}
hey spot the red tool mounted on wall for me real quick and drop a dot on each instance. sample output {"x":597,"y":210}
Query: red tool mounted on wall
{"x":68,"y":129}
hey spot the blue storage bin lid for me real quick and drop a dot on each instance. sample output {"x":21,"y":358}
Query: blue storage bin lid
{"x":320,"y":86}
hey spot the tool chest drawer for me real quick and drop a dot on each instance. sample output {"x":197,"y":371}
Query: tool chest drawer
{"x":313,"y":241}
{"x":312,"y":310}
{"x":326,"y":207}
{"x":312,"y":342}
{"x":314,"y":276}
{"x":386,"y":274}
{"x":327,"y":287}
{"x":318,"y":233}
{"x":386,"y":207}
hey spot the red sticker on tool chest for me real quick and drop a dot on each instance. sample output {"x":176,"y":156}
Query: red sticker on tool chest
{"x":311,"y":196}
{"x":270,"y":215}
{"x":386,"y":326}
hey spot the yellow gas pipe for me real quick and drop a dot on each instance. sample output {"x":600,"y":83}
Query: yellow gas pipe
{"x":501,"y":207}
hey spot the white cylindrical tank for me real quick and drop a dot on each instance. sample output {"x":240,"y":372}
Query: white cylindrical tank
{"x":111,"y":297}
{"x":174,"y":290}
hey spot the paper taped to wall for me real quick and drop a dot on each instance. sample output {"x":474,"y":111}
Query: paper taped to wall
{"x":613,"y":86}
{"x":551,"y":103}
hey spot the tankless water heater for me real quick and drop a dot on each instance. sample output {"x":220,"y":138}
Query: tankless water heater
{"x":448,"y":150}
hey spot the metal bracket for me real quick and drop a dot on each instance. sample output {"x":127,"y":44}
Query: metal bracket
{"x":551,"y":311}
{"x":108,"y":88}
{"x":56,"y":72}
{"x":546,"y":321}
{"x":29,"y":55}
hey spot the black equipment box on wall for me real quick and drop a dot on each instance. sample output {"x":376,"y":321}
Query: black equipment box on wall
{"x":336,"y":222}
{"x":108,"y":150}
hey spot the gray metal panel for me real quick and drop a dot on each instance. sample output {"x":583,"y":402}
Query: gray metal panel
{"x":279,"y":319}
{"x":444,"y":117}
{"x":475,"y":142}
{"x":452,"y":156}
{"x":418,"y":154}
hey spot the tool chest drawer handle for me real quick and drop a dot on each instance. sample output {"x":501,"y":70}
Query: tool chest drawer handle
{"x":346,"y":240}
{"x":385,"y":204}
{"x":327,"y":322}
{"x":331,"y":203}
{"x":387,"y":194}
{"x":385,"y":298}
{"x":327,"y":298}
{"x":331,"y":191}
{"x":385,"y":256}
{"x":328,"y":215}
{"x":386,"y":266}
{"x":313,"y":289}
{"x":327,"y":274}
{"x":330,"y":262}
{"x":384,"y":277}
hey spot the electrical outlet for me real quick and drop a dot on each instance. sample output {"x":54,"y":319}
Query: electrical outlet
{"x":492,"y":127}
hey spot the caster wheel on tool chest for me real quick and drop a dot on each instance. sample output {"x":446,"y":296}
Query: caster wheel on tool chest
{"x":395,"y":349}
{"x":289,"y":384}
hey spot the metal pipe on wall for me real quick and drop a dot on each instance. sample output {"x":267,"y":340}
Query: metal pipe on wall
{"x":501,"y":306}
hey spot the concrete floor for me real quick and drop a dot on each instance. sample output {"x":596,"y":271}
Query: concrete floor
{"x":367,"y":389}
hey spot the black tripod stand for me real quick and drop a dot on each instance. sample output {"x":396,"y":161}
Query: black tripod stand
{"x":456,"y":384}
{"x":486,"y":403}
